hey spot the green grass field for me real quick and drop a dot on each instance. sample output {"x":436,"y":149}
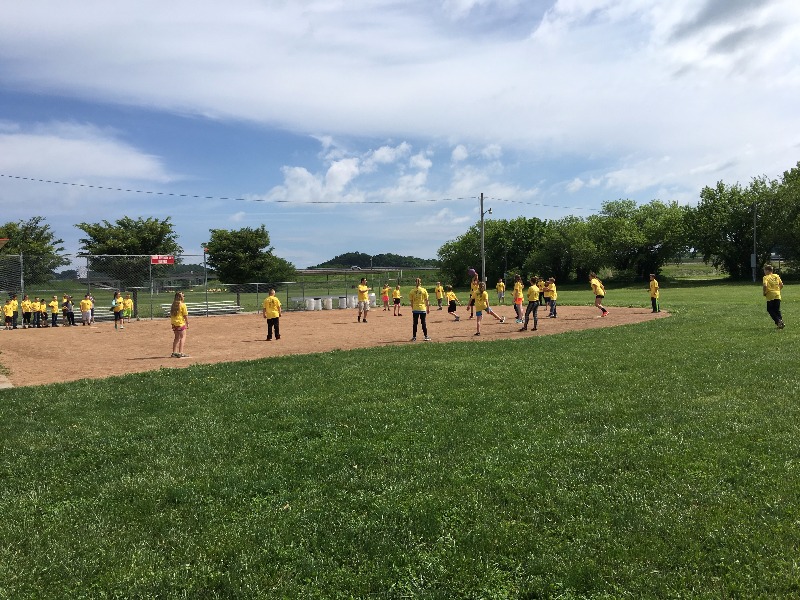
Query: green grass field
{"x":658,"y":460}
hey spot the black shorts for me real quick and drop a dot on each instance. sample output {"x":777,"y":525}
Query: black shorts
{"x":600,"y":297}
{"x":397,"y":301}
{"x":451,"y":306}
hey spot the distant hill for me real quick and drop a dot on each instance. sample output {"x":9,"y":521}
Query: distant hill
{"x":359,"y":259}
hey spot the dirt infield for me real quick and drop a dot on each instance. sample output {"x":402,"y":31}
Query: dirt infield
{"x":40,"y":356}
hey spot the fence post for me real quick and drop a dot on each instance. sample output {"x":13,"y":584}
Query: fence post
{"x":21,"y":278}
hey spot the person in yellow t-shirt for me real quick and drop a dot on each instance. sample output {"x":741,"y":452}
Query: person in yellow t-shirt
{"x":551,"y":286}
{"x":518,"y":295}
{"x":420,"y":307}
{"x":452,"y":302}
{"x":439,"y":291}
{"x":396,"y":298}
{"x":86,"y":310}
{"x":272,"y":313}
{"x":474,"y":285}
{"x":481,"y":305}
{"x":54,"y":311}
{"x":43,"y":312}
{"x":385,"y":296}
{"x":599,"y":293}
{"x":8,"y":313}
{"x":117,"y":306}
{"x":15,"y":307}
{"x":772,"y":286}
{"x":654,"y":293}
{"x":26,"y":312}
{"x":501,"y":291}
{"x":36,"y":314}
{"x":179,"y":319}
{"x":127,"y":308}
{"x":363,"y":299}
{"x":533,"y":306}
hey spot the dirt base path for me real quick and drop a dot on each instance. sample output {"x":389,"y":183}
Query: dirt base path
{"x":40,"y":356}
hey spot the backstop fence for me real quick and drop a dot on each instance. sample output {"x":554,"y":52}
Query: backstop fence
{"x":152,"y":282}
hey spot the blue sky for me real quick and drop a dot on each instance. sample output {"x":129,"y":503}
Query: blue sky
{"x":374,"y":125}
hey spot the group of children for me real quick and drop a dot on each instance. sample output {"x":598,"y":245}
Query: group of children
{"x":35,"y":312}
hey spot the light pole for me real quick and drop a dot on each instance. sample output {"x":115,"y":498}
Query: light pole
{"x":483,"y":249}
{"x":754,"y":257}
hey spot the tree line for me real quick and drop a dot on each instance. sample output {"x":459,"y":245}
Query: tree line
{"x":635,"y":240}
{"x":237,"y":256}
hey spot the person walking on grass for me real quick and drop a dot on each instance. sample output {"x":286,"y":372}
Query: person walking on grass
{"x":533,"y":306}
{"x":396,"y":298}
{"x":179,"y":319}
{"x":452,"y":302}
{"x":420,"y":307}
{"x":654,"y":293}
{"x":272,"y":313}
{"x":439,"y":291}
{"x":772,"y":286}
{"x":482,"y":305}
{"x":363,"y":299}
{"x":599,"y":293}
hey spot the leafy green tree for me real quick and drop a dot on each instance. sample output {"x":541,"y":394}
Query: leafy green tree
{"x":722,"y":225}
{"x":458,"y":255}
{"x":566,"y":249}
{"x":123,"y":249}
{"x":245,"y":256}
{"x":786,"y":229}
{"x":38,"y":245}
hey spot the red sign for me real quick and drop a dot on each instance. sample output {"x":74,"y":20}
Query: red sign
{"x":162,"y":259}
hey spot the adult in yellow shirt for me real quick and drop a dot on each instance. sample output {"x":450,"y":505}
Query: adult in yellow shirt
{"x":363,"y":299}
{"x":54,"y":311}
{"x":599,"y":293}
{"x":272,"y":313}
{"x":501,"y":291}
{"x":420,"y":307}
{"x":179,"y":319}
{"x":654,"y":293}
{"x":439,"y":291}
{"x":772,"y":286}
{"x":396,"y":298}
{"x":533,"y":306}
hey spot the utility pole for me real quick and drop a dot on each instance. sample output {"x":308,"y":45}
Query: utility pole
{"x":483,"y":248}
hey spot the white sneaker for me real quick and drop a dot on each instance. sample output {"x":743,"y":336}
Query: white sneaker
{"x":427,"y":339}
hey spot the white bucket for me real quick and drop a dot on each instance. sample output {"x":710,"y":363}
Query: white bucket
{"x":327,"y":304}
{"x":352,"y":302}
{"x":309,"y":304}
{"x":317,"y":303}
{"x":372,"y":299}
{"x":342,"y":301}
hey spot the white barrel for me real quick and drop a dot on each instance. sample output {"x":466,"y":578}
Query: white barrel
{"x":353,"y":301}
{"x":342,"y":301}
{"x":317,"y":303}
{"x":372,"y":298}
{"x":309,"y":304}
{"x":327,"y":304}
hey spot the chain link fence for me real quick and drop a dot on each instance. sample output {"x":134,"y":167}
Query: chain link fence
{"x":151,"y":284}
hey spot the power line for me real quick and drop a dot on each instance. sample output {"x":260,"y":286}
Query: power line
{"x":278,"y":201}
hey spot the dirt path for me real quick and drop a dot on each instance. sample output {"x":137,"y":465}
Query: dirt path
{"x":39,"y":356}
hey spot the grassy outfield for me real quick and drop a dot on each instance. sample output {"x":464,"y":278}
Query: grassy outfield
{"x":658,"y":460}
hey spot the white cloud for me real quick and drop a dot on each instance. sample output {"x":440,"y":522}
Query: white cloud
{"x":238,"y":217}
{"x":459,"y":154}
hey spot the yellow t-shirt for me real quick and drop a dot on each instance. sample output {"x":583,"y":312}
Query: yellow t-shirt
{"x":517,"y":290}
{"x":272,"y":307}
{"x":54,"y":306}
{"x":439,"y":292}
{"x":597,"y":287}
{"x":533,"y":293}
{"x":8,"y":309}
{"x":43,"y":307}
{"x":419,"y":299}
{"x":118,"y":303}
{"x":26,"y":306}
{"x":178,"y":320}
{"x":772,"y":285}
{"x":654,"y":289}
{"x":553,"y":292}
{"x":127,"y":304}
{"x":385,"y":292}
{"x":363,"y":293}
{"x":473,"y":290}
{"x":396,"y":293}
{"x":501,"y":287}
{"x":451,"y":297}
{"x":14,"y":305}
{"x":35,"y":306}
{"x":482,"y":301}
{"x":86,"y":305}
